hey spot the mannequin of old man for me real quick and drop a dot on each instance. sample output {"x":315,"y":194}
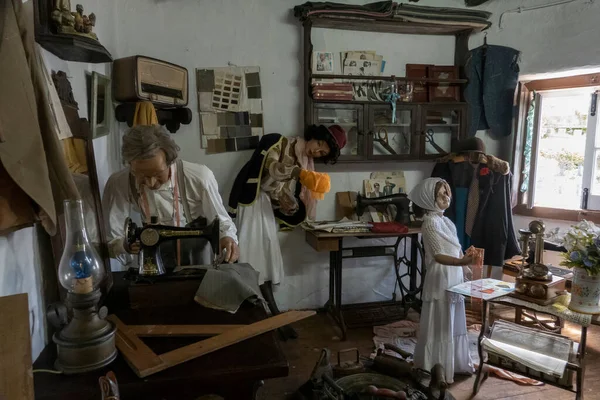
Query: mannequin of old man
{"x":443,"y":326}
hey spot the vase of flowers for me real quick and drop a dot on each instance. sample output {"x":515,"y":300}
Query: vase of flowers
{"x":582,"y":243}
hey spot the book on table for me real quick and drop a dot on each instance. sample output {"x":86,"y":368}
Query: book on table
{"x":485,"y":289}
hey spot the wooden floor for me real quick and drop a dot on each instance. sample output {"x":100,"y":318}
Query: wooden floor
{"x":318,"y":332}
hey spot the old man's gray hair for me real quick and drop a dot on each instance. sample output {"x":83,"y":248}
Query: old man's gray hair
{"x":144,"y":141}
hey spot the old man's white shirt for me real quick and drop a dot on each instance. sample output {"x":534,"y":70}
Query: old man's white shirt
{"x":202,"y":194}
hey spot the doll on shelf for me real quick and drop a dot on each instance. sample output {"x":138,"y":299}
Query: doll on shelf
{"x":443,"y":326}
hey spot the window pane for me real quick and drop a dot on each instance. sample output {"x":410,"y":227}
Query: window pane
{"x":440,"y":128}
{"x":347,"y":119}
{"x":561,"y":150}
{"x":391,"y":138}
{"x":596,"y":174}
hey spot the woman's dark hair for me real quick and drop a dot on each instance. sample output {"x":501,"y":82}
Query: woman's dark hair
{"x":322,"y":133}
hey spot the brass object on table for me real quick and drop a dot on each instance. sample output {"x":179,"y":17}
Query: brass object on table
{"x":535,"y":282}
{"x":87,"y":342}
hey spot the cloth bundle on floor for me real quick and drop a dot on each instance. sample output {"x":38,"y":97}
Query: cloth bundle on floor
{"x":317,"y":182}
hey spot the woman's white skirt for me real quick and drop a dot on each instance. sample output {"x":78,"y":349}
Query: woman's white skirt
{"x":443,"y":337}
{"x":258,"y":242}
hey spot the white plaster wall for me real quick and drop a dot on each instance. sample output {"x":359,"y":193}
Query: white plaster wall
{"x":264,"y":33}
{"x":20,"y":253}
{"x":20,"y":272}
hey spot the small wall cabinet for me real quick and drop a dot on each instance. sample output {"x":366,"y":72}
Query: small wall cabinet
{"x":420,"y":131}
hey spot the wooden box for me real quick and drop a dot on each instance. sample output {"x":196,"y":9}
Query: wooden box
{"x":443,"y":91}
{"x":345,"y":204}
{"x":420,"y":89}
{"x":552,"y":290}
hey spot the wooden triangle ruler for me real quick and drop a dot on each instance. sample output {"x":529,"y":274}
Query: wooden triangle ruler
{"x":145,"y":362}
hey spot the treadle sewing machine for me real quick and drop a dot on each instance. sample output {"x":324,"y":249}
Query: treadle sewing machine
{"x":535,"y":282}
{"x":150,"y":236}
{"x":399,"y":200}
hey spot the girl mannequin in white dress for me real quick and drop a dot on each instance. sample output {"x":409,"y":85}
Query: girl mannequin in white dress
{"x":443,"y":327}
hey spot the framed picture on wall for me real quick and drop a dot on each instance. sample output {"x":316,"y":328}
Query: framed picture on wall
{"x":443,"y":91}
{"x":100,"y":105}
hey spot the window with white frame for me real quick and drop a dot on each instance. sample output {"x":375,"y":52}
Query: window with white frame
{"x":557,"y":148}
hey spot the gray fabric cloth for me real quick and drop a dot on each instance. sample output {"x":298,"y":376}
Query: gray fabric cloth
{"x":228,"y":287}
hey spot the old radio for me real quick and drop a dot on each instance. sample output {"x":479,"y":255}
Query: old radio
{"x":140,"y":78}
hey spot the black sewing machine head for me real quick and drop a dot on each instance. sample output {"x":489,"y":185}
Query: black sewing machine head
{"x":150,"y":236}
{"x":399,"y":200}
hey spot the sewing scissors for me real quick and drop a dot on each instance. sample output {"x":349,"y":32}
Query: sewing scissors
{"x":429,"y":139}
{"x":381,"y":137}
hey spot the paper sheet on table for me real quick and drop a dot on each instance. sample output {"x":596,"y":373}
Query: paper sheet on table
{"x":486,"y":289}
{"x":330,"y":226}
{"x":536,"y":361}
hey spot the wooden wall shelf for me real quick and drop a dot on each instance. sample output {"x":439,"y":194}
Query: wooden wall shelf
{"x":401,"y":103}
{"x":390,"y":78}
{"x":419,"y":131}
{"x":66,"y":47}
{"x":74,"y":48}
{"x":385,"y":25}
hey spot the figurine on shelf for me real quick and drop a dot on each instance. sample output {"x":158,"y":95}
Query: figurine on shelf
{"x":62,"y":16}
{"x":73,"y":23}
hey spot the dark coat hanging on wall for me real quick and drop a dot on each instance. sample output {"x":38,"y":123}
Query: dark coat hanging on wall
{"x":493,"y":228}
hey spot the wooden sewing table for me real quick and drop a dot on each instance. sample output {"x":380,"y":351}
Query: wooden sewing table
{"x":235,"y":372}
{"x":406,"y":265}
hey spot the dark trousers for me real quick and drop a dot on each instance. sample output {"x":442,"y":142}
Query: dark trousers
{"x":493,"y":74}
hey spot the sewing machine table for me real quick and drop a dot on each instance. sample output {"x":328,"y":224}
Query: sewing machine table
{"x":406,"y":265}
{"x":235,"y":372}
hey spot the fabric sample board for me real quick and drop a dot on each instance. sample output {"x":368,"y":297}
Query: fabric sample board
{"x":230,"y":106}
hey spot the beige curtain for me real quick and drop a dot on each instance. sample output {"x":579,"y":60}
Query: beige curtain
{"x":30,"y":151}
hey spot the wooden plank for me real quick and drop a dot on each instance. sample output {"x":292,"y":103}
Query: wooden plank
{"x":145,"y":362}
{"x":323,"y":234}
{"x":567,"y":82}
{"x":16,"y":371}
{"x":180,"y":330}
{"x":139,"y":356}
{"x":225,"y":339}
{"x":390,"y":78}
{"x":386,"y":25}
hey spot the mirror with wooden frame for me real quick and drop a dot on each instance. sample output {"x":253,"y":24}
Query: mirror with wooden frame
{"x":80,"y":158}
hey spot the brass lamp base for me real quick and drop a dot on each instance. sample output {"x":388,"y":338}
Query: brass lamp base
{"x":87,"y":343}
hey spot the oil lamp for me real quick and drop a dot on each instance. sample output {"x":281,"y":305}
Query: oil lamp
{"x":87,"y":341}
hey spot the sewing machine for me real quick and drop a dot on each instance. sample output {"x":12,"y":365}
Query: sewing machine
{"x":399,"y":200}
{"x":150,"y":236}
{"x":535,"y":282}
